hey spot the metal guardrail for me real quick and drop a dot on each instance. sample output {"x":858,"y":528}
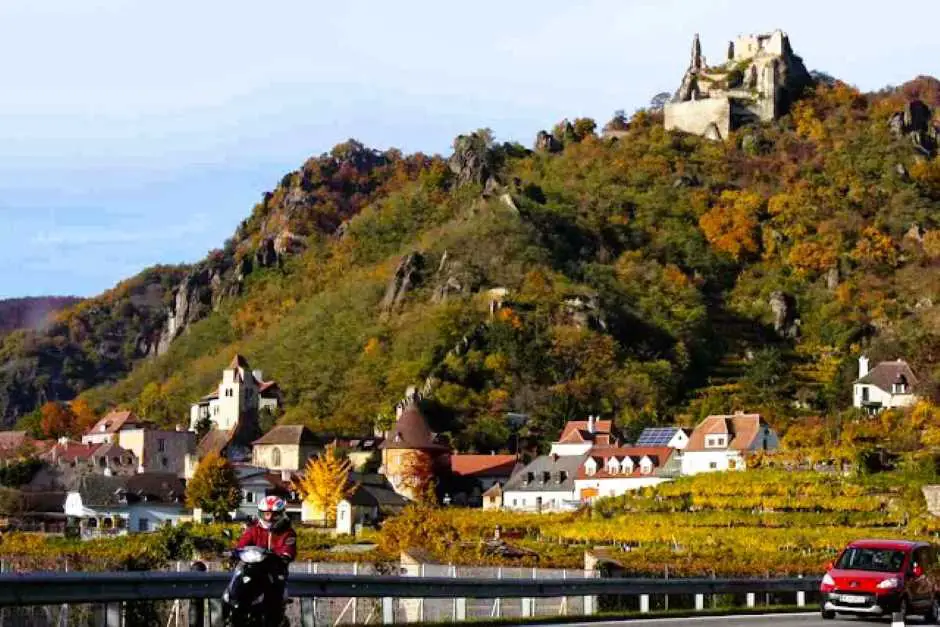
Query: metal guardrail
{"x":54,"y":588}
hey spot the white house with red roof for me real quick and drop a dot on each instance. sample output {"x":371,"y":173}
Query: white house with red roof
{"x":580,"y":436}
{"x":889,"y":384}
{"x":724,"y":442}
{"x":613,"y":471}
{"x":106,"y":429}
{"x":241,"y":391}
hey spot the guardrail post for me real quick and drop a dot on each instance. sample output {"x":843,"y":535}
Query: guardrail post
{"x":590,"y":606}
{"x":197,"y":607}
{"x":460,"y":605}
{"x":388,"y":611}
{"x":355,"y":600}
{"x":216,"y":619}
{"x":699,"y":601}
{"x":800,"y":596}
{"x":113,"y":614}
{"x":644,"y":603}
{"x":751,"y":599}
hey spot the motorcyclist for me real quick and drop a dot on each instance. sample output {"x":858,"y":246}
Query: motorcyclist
{"x":273,"y":531}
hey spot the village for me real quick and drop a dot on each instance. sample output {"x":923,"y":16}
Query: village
{"x":127,"y":476}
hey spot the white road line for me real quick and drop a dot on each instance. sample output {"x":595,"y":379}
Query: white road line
{"x":652,"y":619}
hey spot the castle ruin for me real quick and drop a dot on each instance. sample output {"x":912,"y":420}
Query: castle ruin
{"x":758,"y":81}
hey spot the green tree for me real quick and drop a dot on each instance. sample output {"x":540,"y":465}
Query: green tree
{"x":214,"y":487}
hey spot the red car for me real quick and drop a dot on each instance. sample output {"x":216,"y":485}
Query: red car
{"x":876,"y":577}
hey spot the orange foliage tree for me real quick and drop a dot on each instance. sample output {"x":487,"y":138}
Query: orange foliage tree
{"x":731,"y":226}
{"x":57,"y":420}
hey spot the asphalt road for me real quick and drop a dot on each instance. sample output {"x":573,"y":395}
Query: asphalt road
{"x":783,"y":620}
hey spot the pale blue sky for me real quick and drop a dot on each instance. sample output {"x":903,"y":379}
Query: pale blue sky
{"x":135,"y":133}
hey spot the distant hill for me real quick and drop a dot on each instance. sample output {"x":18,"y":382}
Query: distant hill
{"x":31,"y":312}
{"x":649,"y":276}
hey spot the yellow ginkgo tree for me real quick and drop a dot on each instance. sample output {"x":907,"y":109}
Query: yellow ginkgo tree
{"x":325,"y":482}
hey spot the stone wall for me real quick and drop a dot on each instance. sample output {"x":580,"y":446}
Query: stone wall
{"x":932,"y":495}
{"x":697,"y":116}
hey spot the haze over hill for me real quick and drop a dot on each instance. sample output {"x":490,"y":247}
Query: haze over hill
{"x":31,"y":312}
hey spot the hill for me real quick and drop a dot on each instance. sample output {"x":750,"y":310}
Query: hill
{"x":654,"y":275}
{"x":30,"y":312}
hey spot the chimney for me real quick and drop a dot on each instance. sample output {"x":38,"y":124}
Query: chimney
{"x":257,"y":375}
{"x":862,"y":366}
{"x":590,"y":424}
{"x":285,"y":475}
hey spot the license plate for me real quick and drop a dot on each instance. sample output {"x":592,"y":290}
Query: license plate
{"x":852,"y":598}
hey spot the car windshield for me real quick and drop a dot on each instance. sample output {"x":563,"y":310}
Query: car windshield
{"x":880,"y":560}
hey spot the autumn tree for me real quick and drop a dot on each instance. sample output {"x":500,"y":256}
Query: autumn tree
{"x":85,"y":416}
{"x":731,"y":226}
{"x":214,"y":487}
{"x":57,"y":420}
{"x":325,"y":482}
{"x":417,"y":475}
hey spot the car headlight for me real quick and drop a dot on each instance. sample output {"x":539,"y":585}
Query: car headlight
{"x":827,"y":580}
{"x":888,"y":584}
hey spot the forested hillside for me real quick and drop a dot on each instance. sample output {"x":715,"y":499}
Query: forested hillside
{"x":30,"y":312}
{"x":653,"y":277}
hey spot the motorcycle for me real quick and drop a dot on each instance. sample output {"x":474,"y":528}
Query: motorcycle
{"x":247,"y":600}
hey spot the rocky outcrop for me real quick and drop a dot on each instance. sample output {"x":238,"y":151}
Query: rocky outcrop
{"x":783,"y":305}
{"x":407,"y":276}
{"x":192,"y":300}
{"x":546,"y":142}
{"x":584,"y":312}
{"x":914,"y":122}
{"x":471,"y":163}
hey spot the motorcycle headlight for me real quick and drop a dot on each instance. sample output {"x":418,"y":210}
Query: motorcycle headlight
{"x":888,"y":584}
{"x":252,"y":555}
{"x":827,"y":580}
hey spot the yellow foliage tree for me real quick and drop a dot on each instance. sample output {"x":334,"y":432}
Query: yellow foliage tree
{"x":731,"y":226}
{"x":325,"y":482}
{"x":875,"y":249}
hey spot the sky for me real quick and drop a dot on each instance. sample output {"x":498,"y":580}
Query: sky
{"x":134,"y":133}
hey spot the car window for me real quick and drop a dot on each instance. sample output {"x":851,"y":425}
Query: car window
{"x":879,"y":560}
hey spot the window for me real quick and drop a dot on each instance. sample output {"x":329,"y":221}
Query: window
{"x":275,"y":457}
{"x":515,"y":502}
{"x":865,"y":396}
{"x":164,"y":461}
{"x":871,"y":559}
{"x":713,"y":465}
{"x":249,"y":496}
{"x":646,"y":468}
{"x":710,"y":442}
{"x":161,"y":445}
{"x":143,"y":524}
{"x":546,"y":476}
{"x":590,"y":469}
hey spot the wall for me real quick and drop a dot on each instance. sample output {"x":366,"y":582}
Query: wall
{"x":146,"y":445}
{"x":552,"y":500}
{"x":877,"y":395}
{"x":568,"y":450}
{"x":155,"y":514}
{"x":293,"y":456}
{"x":694,"y":462}
{"x":616,"y":487}
{"x":695,"y":116}
{"x":98,"y":438}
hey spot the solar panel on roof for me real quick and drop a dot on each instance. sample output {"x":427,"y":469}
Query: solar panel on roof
{"x":656,"y":436}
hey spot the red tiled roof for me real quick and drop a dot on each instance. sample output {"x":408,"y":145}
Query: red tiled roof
{"x":659,"y":455}
{"x":577,"y":431}
{"x":741,"y":428}
{"x":71,"y":451}
{"x":113,"y":422}
{"x":12,"y":439}
{"x":483,"y":465}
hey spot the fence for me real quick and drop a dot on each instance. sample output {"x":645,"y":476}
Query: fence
{"x":179,"y":599}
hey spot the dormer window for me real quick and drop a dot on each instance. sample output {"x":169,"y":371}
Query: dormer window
{"x":627,"y":466}
{"x":612,"y":466}
{"x":900,"y":385}
{"x":546,"y":476}
{"x":590,"y":468}
{"x":529,"y":478}
{"x":716,"y":441}
{"x":646,"y":467}
{"x":562,"y":476}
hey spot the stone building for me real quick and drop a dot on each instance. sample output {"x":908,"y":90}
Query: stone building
{"x":757,"y":82}
{"x":410,"y":451}
{"x":159,"y":450}
{"x":242,"y":391}
{"x":285,"y":447}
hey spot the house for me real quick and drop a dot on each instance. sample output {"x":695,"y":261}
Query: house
{"x":106,"y":459}
{"x":254,"y":483}
{"x":372,"y":499}
{"x":545,"y":484}
{"x":613,"y":471}
{"x":724,"y":442}
{"x":887,"y":385}
{"x":109,"y":506}
{"x":360,"y":451}
{"x":493,"y":498}
{"x":475,"y":474}
{"x":105,"y":431}
{"x":412,"y":450}
{"x":580,"y":436}
{"x":241,"y":392}
{"x":159,"y":450}
{"x":285,"y":447}
{"x":283,"y":484}
{"x":17,"y":445}
{"x":673,"y":437}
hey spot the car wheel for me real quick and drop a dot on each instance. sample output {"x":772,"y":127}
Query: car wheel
{"x":828,"y":614}
{"x":933,"y":614}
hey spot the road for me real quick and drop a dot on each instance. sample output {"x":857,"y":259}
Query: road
{"x":781,"y":620}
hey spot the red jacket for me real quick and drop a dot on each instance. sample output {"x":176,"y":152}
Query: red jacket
{"x":282,"y":540}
